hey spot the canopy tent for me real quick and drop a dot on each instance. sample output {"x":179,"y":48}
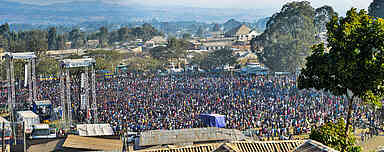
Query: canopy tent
{"x":213,"y":120}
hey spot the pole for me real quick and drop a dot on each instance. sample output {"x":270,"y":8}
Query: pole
{"x":24,"y":141}
{"x":34,"y":89}
{"x":29,"y":79}
{"x":94,"y":102}
{"x":2,"y":138}
{"x":62,"y":93}
{"x":86,"y":93}
{"x":69,"y":104}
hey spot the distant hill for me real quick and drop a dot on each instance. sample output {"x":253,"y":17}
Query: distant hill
{"x":81,"y":11}
{"x":231,"y":24}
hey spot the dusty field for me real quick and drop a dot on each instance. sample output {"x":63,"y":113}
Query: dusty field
{"x":372,"y":144}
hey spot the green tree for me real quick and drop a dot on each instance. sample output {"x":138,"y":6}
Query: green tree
{"x":220,"y":58}
{"x":187,"y":36}
{"x":288,"y":37}
{"x":123,"y":34}
{"x":60,"y":42}
{"x":160,"y":53}
{"x":376,"y":8}
{"x":36,"y":42}
{"x":75,"y":36}
{"x":4,"y":29}
{"x":200,"y":32}
{"x":103,"y":36}
{"x":47,"y":65}
{"x":3,"y":43}
{"x":353,"y":66}
{"x":52,"y":38}
{"x":332,"y":135}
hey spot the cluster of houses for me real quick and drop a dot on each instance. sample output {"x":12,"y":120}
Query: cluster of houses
{"x":237,"y":39}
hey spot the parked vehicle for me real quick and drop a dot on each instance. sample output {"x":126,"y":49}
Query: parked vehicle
{"x":42,"y":131}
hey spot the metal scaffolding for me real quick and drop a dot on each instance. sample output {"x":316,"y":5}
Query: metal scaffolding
{"x":84,"y":94}
{"x":30,"y":73}
{"x":31,"y":76}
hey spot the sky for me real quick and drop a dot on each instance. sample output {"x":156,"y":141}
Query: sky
{"x":340,"y":6}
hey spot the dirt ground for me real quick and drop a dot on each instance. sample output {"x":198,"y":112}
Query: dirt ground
{"x":54,"y":145}
{"x":372,"y":144}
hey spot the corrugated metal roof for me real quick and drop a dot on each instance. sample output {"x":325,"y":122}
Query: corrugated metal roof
{"x":193,"y":135}
{"x":267,"y":146}
{"x":313,"y":146}
{"x":94,"y":129}
{"x":92,"y":143}
{"x":236,"y":146}
{"x":193,"y":148}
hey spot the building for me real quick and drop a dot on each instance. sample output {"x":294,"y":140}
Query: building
{"x":249,"y":146}
{"x":155,"y":42}
{"x":92,"y":44}
{"x":79,"y":143}
{"x":240,"y":31}
{"x":216,"y":45}
{"x":186,"y":137}
{"x":68,"y":45}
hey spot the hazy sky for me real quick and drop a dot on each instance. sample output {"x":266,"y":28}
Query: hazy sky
{"x":339,"y":5}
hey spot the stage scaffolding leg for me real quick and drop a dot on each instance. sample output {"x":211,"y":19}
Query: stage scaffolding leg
{"x":69,"y":104}
{"x":13,"y":90}
{"x":9,"y":90}
{"x":34,"y":88}
{"x":94,"y":102}
{"x":30,"y":87}
{"x":11,"y":114}
{"x":62,"y":94}
{"x":86,"y":94}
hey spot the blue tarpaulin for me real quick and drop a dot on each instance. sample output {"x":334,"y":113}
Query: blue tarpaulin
{"x":213,"y":120}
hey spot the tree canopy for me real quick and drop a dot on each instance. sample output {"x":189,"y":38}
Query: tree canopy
{"x":376,"y":8}
{"x":332,"y":135}
{"x":290,"y":34}
{"x":352,"y":62}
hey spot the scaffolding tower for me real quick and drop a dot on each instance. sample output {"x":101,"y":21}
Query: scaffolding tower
{"x":31,"y":78}
{"x":65,"y":91}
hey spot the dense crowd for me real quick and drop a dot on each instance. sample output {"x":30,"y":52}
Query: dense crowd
{"x":270,"y":105}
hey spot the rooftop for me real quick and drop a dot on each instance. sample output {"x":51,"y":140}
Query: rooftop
{"x":28,"y":114}
{"x":194,"y":135}
{"x":92,"y":143}
{"x":235,"y":146}
{"x":94,"y":130}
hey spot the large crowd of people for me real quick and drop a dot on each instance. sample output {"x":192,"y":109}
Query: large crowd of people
{"x":270,"y":105}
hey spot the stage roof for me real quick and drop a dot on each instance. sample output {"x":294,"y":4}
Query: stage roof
{"x":94,"y":130}
{"x":43,"y":102}
{"x":24,"y":55}
{"x":73,"y":63}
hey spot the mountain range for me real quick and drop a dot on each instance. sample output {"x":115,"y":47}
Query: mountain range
{"x":98,"y":10}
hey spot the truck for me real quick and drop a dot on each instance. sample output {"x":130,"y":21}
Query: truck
{"x":42,"y":131}
{"x":30,"y":118}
